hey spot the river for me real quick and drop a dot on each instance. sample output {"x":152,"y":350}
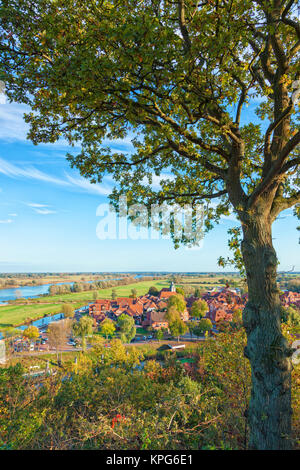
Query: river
{"x":35,"y":291}
{"x":40,"y":323}
{"x":24,"y":292}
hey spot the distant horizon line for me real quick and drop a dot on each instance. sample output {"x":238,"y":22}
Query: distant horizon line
{"x":131,"y":272}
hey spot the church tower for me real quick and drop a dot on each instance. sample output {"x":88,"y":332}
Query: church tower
{"x":172,"y":287}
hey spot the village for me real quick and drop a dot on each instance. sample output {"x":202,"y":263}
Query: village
{"x":149,"y":311}
{"x":150,"y":317}
{"x":172,"y":331}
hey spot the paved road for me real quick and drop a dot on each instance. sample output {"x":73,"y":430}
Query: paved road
{"x":41,"y":353}
{"x":68,"y":348}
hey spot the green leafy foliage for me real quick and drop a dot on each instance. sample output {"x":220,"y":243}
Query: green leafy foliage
{"x":107,"y":327}
{"x":199,"y":308}
{"x":203,"y":326}
{"x":175,"y":76}
{"x":153,"y":291}
{"x":177,"y":301}
{"x":106,"y":402}
{"x":68,"y":310}
{"x":32,"y":332}
{"x":127,"y":327}
{"x":83,"y":328}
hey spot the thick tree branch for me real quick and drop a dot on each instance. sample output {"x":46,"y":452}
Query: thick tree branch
{"x":194,"y":139}
{"x":264,"y":52}
{"x":289,"y":147}
{"x":179,"y":148}
{"x":280,"y":204}
{"x":288,"y":21}
{"x":275,"y":170}
{"x":290,"y":164}
{"x":193,"y":195}
{"x":271,"y":128}
{"x":182,"y":25}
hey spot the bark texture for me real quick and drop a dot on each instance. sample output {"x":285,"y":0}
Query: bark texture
{"x":268,"y":352}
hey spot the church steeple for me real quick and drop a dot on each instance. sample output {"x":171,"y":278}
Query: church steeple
{"x":172,"y":287}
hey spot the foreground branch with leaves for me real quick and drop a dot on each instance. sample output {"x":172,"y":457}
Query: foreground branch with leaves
{"x":176,"y":77}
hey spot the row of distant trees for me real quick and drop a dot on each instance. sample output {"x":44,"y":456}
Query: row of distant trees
{"x":188,"y":290}
{"x":292,"y":285}
{"x":95,"y":285}
{"x":17,"y":279}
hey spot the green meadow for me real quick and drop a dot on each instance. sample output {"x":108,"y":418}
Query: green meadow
{"x":14,"y":315}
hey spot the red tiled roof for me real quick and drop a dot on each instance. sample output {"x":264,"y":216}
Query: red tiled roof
{"x":166,"y":295}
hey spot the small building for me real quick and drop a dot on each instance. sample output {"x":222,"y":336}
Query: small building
{"x":166,"y":292}
{"x":156,"y":320}
{"x":176,"y":346}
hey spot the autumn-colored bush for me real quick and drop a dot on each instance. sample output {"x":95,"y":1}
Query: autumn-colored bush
{"x":112,"y":401}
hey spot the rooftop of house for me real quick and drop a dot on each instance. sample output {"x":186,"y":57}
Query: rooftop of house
{"x":166,"y":294}
{"x":157,"y":316}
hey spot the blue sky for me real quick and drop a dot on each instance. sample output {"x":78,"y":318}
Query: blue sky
{"x":48,"y":217}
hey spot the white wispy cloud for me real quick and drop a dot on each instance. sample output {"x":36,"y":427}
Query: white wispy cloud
{"x":44,"y":211}
{"x":231,"y":217}
{"x":13,"y":127}
{"x":101,"y":189}
{"x":14,"y":171}
{"x":39,"y":208}
{"x":12,"y":124}
{"x":35,"y":204}
{"x":7,"y":221}
{"x":13,"y":215}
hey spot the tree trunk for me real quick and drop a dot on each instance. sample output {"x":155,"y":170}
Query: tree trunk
{"x":83,"y":343}
{"x":269,"y":412}
{"x":57,"y":356}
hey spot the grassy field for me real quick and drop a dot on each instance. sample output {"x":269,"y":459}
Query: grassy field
{"x":206,"y":281}
{"x":13,"y":315}
{"x":122,"y":291}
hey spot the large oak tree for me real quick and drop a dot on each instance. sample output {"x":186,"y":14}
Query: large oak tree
{"x":178,"y":75}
